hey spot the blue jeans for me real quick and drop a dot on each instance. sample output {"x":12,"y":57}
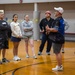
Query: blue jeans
{"x":43,"y":41}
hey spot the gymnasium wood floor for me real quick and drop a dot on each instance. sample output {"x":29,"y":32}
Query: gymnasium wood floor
{"x":40,"y":66}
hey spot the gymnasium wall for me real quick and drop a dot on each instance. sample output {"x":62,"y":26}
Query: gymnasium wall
{"x":23,"y":9}
{"x":9,"y":1}
{"x":30,"y":1}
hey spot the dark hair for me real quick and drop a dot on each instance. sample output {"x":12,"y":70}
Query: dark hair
{"x":13,"y":17}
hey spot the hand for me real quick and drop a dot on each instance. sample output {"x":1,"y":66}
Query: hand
{"x":19,"y":36}
{"x":47,"y":32}
{"x":25,"y":30}
{"x":47,"y":28}
{"x":42,"y":31}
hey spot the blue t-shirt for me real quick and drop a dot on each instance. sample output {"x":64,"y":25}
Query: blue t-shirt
{"x":59,"y":25}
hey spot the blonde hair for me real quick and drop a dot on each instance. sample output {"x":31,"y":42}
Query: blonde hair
{"x":26,"y":16}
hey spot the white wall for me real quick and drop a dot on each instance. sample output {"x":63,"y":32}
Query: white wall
{"x":69,"y":13}
{"x":20,"y":9}
{"x":30,"y":1}
{"x":33,"y":1}
{"x":9,"y":1}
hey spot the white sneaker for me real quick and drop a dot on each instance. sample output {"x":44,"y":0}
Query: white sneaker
{"x":34,"y":57}
{"x":58,"y":68}
{"x":16,"y":58}
{"x":62,"y":50}
{"x":27,"y":56}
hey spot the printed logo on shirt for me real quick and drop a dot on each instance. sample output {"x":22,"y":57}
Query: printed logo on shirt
{"x":3,"y":22}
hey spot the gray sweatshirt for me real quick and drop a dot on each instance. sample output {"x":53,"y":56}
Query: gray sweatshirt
{"x":27,"y":25}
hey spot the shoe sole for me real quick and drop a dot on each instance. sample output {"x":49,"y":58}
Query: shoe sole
{"x":57,"y":70}
{"x":39,"y":54}
{"x":1,"y":63}
{"x":63,"y":52}
{"x":34,"y":58}
{"x":17,"y":60}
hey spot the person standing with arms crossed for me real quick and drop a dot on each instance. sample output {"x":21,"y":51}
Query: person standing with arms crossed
{"x":27,"y":33}
{"x":44,"y":22}
{"x":4,"y":28}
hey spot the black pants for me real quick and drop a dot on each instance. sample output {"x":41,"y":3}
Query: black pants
{"x":43,"y":41}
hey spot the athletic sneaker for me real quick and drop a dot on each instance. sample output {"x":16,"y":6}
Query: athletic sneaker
{"x":16,"y":58}
{"x":34,"y":57}
{"x":58,"y":68}
{"x":5,"y":60}
{"x":0,"y":62}
{"x":39,"y":53}
{"x":48,"y":53}
{"x":27,"y":56}
{"x":62,"y":50}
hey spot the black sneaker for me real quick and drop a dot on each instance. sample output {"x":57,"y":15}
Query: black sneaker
{"x":48,"y":53}
{"x":0,"y":62}
{"x":5,"y":60}
{"x":39,"y":53}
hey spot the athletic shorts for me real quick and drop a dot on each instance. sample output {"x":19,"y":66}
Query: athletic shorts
{"x":29,"y":37}
{"x":57,"y":48}
{"x":14,"y":39}
{"x":4,"y":44}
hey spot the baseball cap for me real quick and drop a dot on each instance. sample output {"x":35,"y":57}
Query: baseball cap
{"x":59,"y":9}
{"x":49,"y":12}
{"x":2,"y":11}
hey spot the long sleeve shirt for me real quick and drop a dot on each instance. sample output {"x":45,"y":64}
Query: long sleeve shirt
{"x":27,"y":25}
{"x":15,"y":28}
{"x":44,"y":22}
{"x":4,"y":28}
